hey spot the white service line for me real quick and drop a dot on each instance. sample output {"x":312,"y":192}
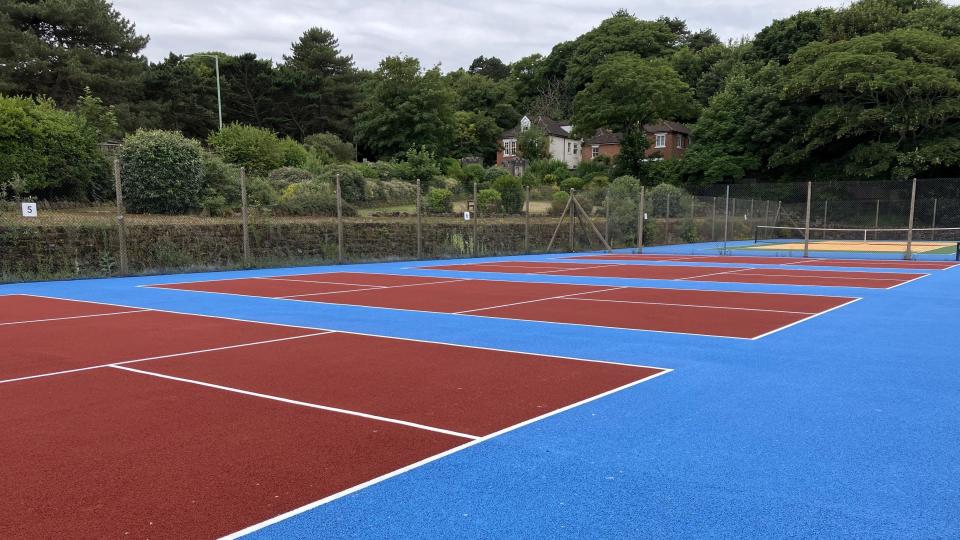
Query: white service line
{"x":535,"y":300}
{"x":734,"y":271}
{"x":805,"y":319}
{"x":692,"y":306}
{"x":608,"y":265}
{"x":161,"y":357}
{"x":300,"y":403}
{"x":431,"y":459}
{"x":74,"y":317}
{"x":820,"y":277}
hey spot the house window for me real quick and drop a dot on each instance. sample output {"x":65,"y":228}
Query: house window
{"x":510,"y":147}
{"x":679,"y":137}
{"x":661,"y":140}
{"x":576,"y":149}
{"x":595,"y":151}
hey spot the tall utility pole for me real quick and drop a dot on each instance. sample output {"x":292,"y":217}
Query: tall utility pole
{"x":216,"y":69}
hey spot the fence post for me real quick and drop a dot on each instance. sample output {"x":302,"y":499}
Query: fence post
{"x":666,"y":222}
{"x":876,"y":223}
{"x":606,"y":224}
{"x":573,"y":226}
{"x":121,"y":222}
{"x":826,"y":205}
{"x":933,"y":226}
{"x":526,"y":220}
{"x":713,"y":222}
{"x":476,"y":218}
{"x":640,"y":218}
{"x":419,"y":224}
{"x":726,"y":221}
{"x":339,"y":224}
{"x":244,"y":216}
{"x":806,"y":229}
{"x":913,"y":206}
{"x":766,"y":214}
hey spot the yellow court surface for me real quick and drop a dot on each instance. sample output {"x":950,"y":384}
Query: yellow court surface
{"x":860,"y":246}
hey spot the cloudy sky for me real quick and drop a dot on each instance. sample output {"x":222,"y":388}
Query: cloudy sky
{"x":450,"y":33}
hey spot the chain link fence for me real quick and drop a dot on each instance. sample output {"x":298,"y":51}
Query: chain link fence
{"x":68,"y":240}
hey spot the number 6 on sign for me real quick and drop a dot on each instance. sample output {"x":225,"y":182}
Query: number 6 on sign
{"x":29,"y":209}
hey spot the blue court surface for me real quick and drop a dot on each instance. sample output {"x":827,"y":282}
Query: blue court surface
{"x":846,"y":424}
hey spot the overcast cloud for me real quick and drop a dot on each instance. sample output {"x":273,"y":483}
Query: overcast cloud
{"x":449,"y":33}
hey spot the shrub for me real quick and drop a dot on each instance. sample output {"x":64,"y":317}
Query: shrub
{"x":389,"y":191}
{"x":261,"y":193}
{"x":439,"y":201}
{"x":221,"y":186}
{"x":49,"y":153}
{"x":558,"y":202}
{"x":162,"y":172}
{"x":292,"y":153}
{"x":257,"y":149}
{"x":330,"y":148}
{"x":668,"y":196}
{"x":472,"y":174}
{"x":352,"y":183}
{"x":420,"y":164}
{"x":311,"y":199}
{"x":284,"y":176}
{"x":489,"y":201}
{"x":624,"y":198}
{"x":543,"y":167}
{"x":572,"y":183}
{"x":511,"y":193}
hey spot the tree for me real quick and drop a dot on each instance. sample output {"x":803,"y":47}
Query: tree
{"x":405,"y":107}
{"x":162,"y":172}
{"x":317,"y":87}
{"x":57,"y":49}
{"x":49,"y":153}
{"x":628,"y":91}
{"x":475,"y":134}
{"x":181,"y":96}
{"x":248,"y":85}
{"x":783,"y":37}
{"x":98,"y":117}
{"x":533,"y":144}
{"x":481,"y":94}
{"x":491,"y":67}
{"x":330,"y":147}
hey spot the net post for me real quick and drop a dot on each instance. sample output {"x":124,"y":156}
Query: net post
{"x":476,"y":218}
{"x":121,"y":221}
{"x":913,"y":206}
{"x":756,"y":235}
{"x":244,"y":216}
{"x":958,"y":252}
{"x":640,"y":218}
{"x":726,"y":221}
{"x":339,"y":223}
{"x":526,"y":221}
{"x":419,"y":222}
{"x":806,"y":229}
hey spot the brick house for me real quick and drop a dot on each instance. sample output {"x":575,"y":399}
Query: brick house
{"x":667,"y":139}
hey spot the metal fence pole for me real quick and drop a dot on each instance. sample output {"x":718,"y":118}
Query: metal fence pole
{"x":713,"y":222}
{"x":806,"y":230}
{"x":933,"y":226}
{"x":766,"y":215}
{"x":913,"y":206}
{"x":666,"y":222}
{"x":726,"y":220}
{"x":826,"y":205}
{"x":526,"y":221}
{"x":606,"y":224}
{"x":339,"y":224}
{"x":121,"y":222}
{"x":640,"y":219}
{"x":419,"y":223}
{"x":244,"y":216}
{"x":876,"y":223}
{"x":476,"y":219}
{"x":573,"y":227}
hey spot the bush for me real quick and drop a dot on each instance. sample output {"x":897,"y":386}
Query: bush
{"x":257,"y":149}
{"x":330,"y":148}
{"x":162,"y":172}
{"x":572,"y":183}
{"x":284,"y":176}
{"x":472,"y":174}
{"x":292,"y":153}
{"x":352,"y":183}
{"x":420,"y":164}
{"x":543,"y":167}
{"x":221,"y":186}
{"x":311,"y":199}
{"x":511,"y":193}
{"x":489,"y":201}
{"x":668,"y":196}
{"x":390,"y":191}
{"x":624,"y":197}
{"x":439,"y":201}
{"x":49,"y":153}
{"x":558,"y":202}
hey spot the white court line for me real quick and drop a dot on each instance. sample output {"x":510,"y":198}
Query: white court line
{"x":301,"y":403}
{"x":817,"y":277}
{"x":734,"y":271}
{"x":431,"y":459}
{"x":367,"y":334}
{"x":814,"y":316}
{"x":611,"y":265}
{"x":921,"y":276}
{"x":279,"y":278}
{"x":691,"y":306}
{"x":74,"y":317}
{"x":161,"y":357}
{"x":464,"y":312}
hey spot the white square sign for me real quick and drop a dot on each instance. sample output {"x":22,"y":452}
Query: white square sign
{"x":29,"y":209}
{"x":466,"y":216}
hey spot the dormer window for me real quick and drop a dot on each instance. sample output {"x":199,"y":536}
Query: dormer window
{"x":524,"y":124}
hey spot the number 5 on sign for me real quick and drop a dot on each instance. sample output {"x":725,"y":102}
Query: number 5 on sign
{"x":29,"y":209}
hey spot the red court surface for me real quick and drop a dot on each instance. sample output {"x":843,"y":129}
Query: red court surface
{"x":718,"y":274}
{"x":206,"y":443}
{"x":709,"y":313}
{"x":838,"y":263}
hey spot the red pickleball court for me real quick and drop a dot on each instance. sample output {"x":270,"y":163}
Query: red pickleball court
{"x":120,"y":422}
{"x":709,"y":313}
{"x":799,"y":261}
{"x":716,"y":274}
